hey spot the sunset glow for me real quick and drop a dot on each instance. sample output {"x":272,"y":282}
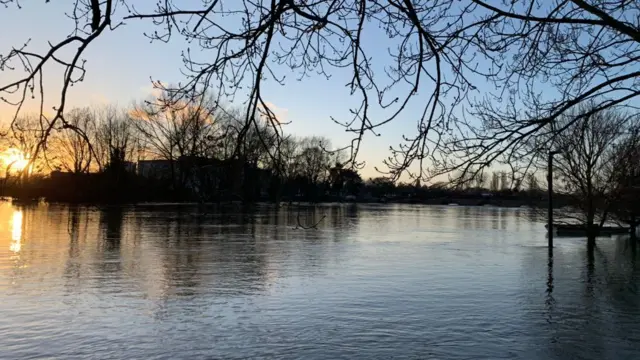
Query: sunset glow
{"x":14,"y":160}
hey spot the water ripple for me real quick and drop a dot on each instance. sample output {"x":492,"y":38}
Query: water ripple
{"x":373,"y":282}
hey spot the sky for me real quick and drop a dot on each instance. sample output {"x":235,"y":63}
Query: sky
{"x":121,"y":63}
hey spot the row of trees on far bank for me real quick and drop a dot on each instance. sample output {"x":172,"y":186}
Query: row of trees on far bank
{"x":597,"y":166}
{"x":188,"y":136}
{"x":109,"y":141}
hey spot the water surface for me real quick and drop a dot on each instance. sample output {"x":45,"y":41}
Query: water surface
{"x":371,"y":282}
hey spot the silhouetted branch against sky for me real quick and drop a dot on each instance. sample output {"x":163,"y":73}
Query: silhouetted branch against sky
{"x":490,"y":77}
{"x":91,"y":19}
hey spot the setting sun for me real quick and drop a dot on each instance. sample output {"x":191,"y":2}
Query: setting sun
{"x":14,"y":160}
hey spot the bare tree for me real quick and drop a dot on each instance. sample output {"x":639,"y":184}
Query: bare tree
{"x":541,"y":59}
{"x":288,"y":155}
{"x":91,"y":19}
{"x":254,"y":144}
{"x":546,"y":58}
{"x":170,"y":132}
{"x":584,"y":166}
{"x":532,"y":182}
{"x":314,"y":160}
{"x":24,"y":135}
{"x":115,"y":138}
{"x":522,"y":47}
{"x":462,"y":180}
{"x":625,"y":164}
{"x":480,"y":180}
{"x":70,"y":146}
{"x":286,"y":164}
{"x":175,"y":131}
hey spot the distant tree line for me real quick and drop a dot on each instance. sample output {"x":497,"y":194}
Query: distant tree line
{"x":207,"y":152}
{"x":209,"y":155}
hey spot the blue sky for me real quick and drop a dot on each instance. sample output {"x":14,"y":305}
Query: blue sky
{"x":121,"y":63}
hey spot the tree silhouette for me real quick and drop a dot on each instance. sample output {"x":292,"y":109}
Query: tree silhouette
{"x":517,"y":66}
{"x":73,"y":152}
{"x":115,"y":139}
{"x":625,"y":206}
{"x":586,"y":165}
{"x":345,"y":181}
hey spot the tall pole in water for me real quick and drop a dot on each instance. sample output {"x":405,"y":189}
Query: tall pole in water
{"x":550,"y":209}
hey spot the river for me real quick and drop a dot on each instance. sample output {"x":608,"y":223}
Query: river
{"x":369,"y":282}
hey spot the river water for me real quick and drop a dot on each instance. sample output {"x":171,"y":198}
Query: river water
{"x":370,"y":282}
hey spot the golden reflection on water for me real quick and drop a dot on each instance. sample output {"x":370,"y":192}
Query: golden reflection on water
{"x":16,"y":231}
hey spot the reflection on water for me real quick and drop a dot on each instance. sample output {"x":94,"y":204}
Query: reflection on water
{"x":16,"y":231}
{"x":187,"y":281}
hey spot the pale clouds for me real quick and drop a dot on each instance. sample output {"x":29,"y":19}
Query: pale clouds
{"x":99,"y":99}
{"x":280,"y":113}
{"x":152,"y":90}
